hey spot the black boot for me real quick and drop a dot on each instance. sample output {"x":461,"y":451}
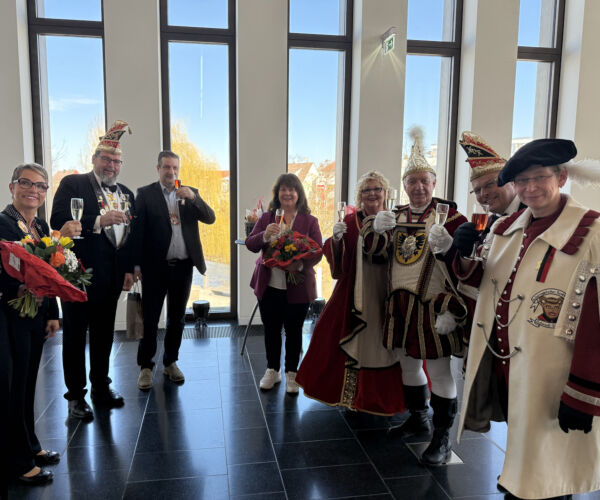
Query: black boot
{"x":439,"y":450}
{"x":418,"y":422}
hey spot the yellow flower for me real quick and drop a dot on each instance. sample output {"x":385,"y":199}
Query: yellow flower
{"x":27,"y":239}
{"x":47,"y":241}
{"x":290,"y":247}
{"x":64,"y":241}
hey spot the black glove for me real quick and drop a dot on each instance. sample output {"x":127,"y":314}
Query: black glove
{"x":465,"y":237}
{"x":575,"y":420}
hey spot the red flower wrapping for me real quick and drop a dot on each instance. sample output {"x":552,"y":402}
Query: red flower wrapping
{"x":38,"y":276}
{"x":278,"y":256}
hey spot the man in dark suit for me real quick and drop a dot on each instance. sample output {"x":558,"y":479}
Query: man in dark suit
{"x":106,"y":249}
{"x":167,"y":247}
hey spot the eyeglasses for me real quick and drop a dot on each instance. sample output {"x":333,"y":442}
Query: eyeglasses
{"x":27,"y":184}
{"x":106,"y":159}
{"x":487,"y":186}
{"x":376,"y":190}
{"x":537,"y":180}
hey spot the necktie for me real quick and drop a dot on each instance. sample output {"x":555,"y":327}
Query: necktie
{"x":112,"y":189}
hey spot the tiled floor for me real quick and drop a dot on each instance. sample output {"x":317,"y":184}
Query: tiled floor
{"x":217,"y":437}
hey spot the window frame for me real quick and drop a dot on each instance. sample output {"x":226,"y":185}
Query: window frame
{"x":225,"y":36}
{"x":40,"y":26}
{"x":451,"y":49}
{"x":342,"y":43}
{"x":551,"y":55}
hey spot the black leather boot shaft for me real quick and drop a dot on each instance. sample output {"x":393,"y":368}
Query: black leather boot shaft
{"x":418,"y":421}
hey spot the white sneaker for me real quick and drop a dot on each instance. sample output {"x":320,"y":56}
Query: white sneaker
{"x":270,"y":378}
{"x":291,"y":386}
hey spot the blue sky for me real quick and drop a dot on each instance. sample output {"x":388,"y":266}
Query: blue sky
{"x":199,"y":73}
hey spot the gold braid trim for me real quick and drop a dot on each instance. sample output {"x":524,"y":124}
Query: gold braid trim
{"x":350,"y":386}
{"x":420,"y":331}
{"x":453,"y":217}
{"x":436,"y":336}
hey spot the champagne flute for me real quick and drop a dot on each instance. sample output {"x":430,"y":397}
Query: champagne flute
{"x":480,"y":219}
{"x":177,"y":186}
{"x":341,"y":210}
{"x":390,"y":198}
{"x":279,"y":217}
{"x":77,"y":212}
{"x":441,"y":213}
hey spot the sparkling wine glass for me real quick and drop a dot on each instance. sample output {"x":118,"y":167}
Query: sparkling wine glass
{"x":480,"y":219}
{"x":125,"y":207}
{"x":177,"y":186}
{"x":279,"y":217}
{"x":77,"y":212}
{"x":441,"y":213}
{"x":341,"y":210}
{"x":391,"y":197}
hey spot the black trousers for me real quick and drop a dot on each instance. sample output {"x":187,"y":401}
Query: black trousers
{"x":173,"y":281}
{"x":26,"y":338}
{"x":276,"y":312}
{"x":5,"y":383}
{"x":99,"y":317}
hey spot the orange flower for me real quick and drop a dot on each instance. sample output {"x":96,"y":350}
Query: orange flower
{"x":57,"y":259}
{"x":55,"y":235}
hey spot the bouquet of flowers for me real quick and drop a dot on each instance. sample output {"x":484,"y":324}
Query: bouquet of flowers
{"x":48,"y":268}
{"x":290,"y":246}
{"x":252,"y":216}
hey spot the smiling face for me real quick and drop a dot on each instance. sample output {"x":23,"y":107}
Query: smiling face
{"x":372,"y":196}
{"x":539,"y":188}
{"x":28,"y":199}
{"x":107,"y":166}
{"x":288,"y":198}
{"x":419,"y":188}
{"x":488,"y":192}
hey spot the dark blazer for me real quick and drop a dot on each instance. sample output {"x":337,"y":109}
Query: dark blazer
{"x":9,"y":231}
{"x":109,"y":264}
{"x":302,"y":293}
{"x":152,"y":231}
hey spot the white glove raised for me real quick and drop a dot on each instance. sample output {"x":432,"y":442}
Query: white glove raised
{"x":384,"y":221}
{"x":445,"y":323}
{"x":339,"y":228}
{"x":439,"y":239}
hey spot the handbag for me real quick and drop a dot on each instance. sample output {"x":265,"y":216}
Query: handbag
{"x":135,"y":320}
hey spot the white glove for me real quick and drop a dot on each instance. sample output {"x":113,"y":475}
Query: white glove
{"x":384,"y":221}
{"x":445,"y":323}
{"x":439,"y":239}
{"x":339,"y":228}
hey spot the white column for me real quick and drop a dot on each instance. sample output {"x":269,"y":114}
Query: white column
{"x":487,"y":81}
{"x":377,"y":115}
{"x":16,"y":126}
{"x":261,"y":53}
{"x":579,"y":100}
{"x":132,"y":82}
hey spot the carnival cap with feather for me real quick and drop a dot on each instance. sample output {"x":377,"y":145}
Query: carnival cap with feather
{"x":109,"y":142}
{"x":417,"y":161}
{"x":480,"y":155}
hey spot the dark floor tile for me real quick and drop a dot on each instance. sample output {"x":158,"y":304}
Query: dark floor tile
{"x":188,"y":430}
{"x":359,"y":420}
{"x":422,"y":487}
{"x":391,"y":457}
{"x":209,"y":487}
{"x":497,"y":496}
{"x":497,"y":435}
{"x":96,"y":458}
{"x":167,"y":396}
{"x":319,"y":453}
{"x":26,"y":492}
{"x":56,"y":428}
{"x":261,"y":496}
{"x":239,"y":393}
{"x":254,"y":479}
{"x":104,"y":431}
{"x":307,"y":426}
{"x":277,"y":401}
{"x":332,"y":482}
{"x":243,"y":415}
{"x":477,"y":475}
{"x":178,"y":464}
{"x":88,"y":485}
{"x":246,"y":446}
{"x":235,"y":378}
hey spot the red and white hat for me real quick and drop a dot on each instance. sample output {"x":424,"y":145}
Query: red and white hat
{"x":480,"y":155}
{"x":109,"y":142}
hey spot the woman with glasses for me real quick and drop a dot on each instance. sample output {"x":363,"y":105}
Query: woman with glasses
{"x":346,"y":363}
{"x":26,"y":336}
{"x":282,"y":303}
{"x":534,"y":347}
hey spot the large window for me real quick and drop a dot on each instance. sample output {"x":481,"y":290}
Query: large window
{"x":199,"y":125}
{"x":431,"y":85}
{"x":538,"y":70}
{"x":320,"y":46}
{"x":67,"y":73}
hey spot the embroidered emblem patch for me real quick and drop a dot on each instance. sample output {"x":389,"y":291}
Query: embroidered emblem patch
{"x":409,"y":247}
{"x":546,"y":304}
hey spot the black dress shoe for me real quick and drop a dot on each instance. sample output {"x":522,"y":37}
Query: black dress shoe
{"x":78,"y":408}
{"x":43,"y":476}
{"x":48,"y":458}
{"x":107,"y":398}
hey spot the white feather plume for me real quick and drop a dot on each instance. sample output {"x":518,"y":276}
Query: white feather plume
{"x":416,"y":134}
{"x":584,"y":172}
